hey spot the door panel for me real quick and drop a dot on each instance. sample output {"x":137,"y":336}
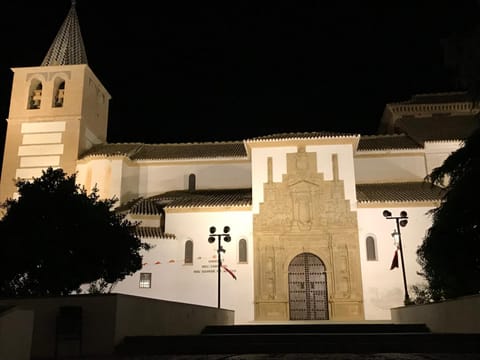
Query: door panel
{"x":307,"y":285}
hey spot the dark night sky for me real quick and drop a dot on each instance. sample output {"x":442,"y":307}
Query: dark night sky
{"x":230,"y":70}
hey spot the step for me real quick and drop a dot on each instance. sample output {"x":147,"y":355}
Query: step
{"x":326,"y":328}
{"x":423,"y":342}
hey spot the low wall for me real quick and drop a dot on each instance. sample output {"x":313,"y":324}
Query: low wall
{"x":460,"y":315}
{"x":16,"y":329}
{"x":108,"y":318}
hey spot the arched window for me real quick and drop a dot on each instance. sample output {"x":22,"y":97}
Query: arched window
{"x":59,"y":92}
{"x":242,"y":251}
{"x":191,"y":182}
{"x":35,"y":98}
{"x":371,"y":248}
{"x":189,"y":252}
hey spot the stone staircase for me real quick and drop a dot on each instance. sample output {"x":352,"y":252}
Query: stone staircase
{"x":304,"y":338}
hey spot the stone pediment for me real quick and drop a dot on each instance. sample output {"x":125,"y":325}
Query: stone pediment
{"x":304,"y":200}
{"x":302,"y":184}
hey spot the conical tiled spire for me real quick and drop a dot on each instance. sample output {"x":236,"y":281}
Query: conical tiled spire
{"x":68,"y":47}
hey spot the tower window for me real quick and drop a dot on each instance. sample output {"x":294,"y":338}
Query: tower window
{"x":59,"y":94}
{"x":35,"y":99}
{"x":371,"y":248}
{"x":189,"y":252}
{"x":242,"y":251}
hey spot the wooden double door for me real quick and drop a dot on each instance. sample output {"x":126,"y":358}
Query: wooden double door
{"x":307,"y":288}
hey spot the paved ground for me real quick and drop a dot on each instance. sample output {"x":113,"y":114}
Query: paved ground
{"x":324,"y":357}
{"x":382,"y":356}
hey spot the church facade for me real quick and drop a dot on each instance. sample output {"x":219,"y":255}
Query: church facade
{"x":279,"y":227}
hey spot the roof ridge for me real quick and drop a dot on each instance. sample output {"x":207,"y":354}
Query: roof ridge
{"x":179,"y":143}
{"x":303,"y":135}
{"x":384,"y":135}
{"x":136,"y":150}
{"x":199,"y":143}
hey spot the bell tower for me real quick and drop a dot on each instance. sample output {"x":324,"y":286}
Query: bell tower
{"x":57,"y":111}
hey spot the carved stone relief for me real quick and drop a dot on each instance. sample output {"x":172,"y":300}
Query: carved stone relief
{"x":304,"y":213}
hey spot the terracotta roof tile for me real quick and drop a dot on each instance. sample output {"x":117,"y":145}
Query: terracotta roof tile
{"x":437,"y":98}
{"x":387,"y":142}
{"x":398,"y":192}
{"x":152,"y":232}
{"x":381,"y":192}
{"x":67,"y":47}
{"x":146,"y":208}
{"x":192,"y":150}
{"x":138,"y":151}
{"x":127,"y":150}
{"x":302,"y":135}
{"x":209,"y":198}
{"x":184,"y":198}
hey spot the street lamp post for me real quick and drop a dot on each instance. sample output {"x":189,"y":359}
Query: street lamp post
{"x":401,"y":221}
{"x":211,"y":239}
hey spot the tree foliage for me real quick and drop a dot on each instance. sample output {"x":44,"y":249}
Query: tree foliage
{"x":56,"y":237}
{"x":450,"y":252}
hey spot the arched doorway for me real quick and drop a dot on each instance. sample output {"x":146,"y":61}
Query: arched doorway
{"x":307,"y":288}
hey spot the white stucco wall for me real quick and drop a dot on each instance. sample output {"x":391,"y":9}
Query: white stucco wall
{"x":129,"y":186}
{"x":437,"y":151}
{"x":116,"y":178}
{"x":96,"y":173}
{"x":374,"y":168}
{"x":126,"y":181}
{"x":383,"y":288}
{"x":197,"y":283}
{"x":158,"y":178}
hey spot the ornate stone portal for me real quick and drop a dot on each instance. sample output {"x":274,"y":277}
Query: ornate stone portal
{"x":307,"y":261}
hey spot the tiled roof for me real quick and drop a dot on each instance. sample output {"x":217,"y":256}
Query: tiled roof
{"x":438,"y":127}
{"x":142,"y":206}
{"x":205,"y":150}
{"x":382,"y":192}
{"x":126,"y":149}
{"x":152,"y":232}
{"x":138,"y":151}
{"x":213,"y":198}
{"x":193,"y":150}
{"x":146,"y":207}
{"x":302,"y":135}
{"x":67,"y":47}
{"x":398,"y":192}
{"x":387,"y":142}
{"x":185,"y":198}
{"x":125,"y":207}
{"x":437,"y":98}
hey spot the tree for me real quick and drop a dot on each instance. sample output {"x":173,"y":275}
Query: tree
{"x":56,"y":237}
{"x":450,"y":252}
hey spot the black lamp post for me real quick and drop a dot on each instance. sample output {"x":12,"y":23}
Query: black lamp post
{"x":220,"y":249}
{"x":401,"y":221}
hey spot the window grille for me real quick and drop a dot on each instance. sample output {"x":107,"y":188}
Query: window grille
{"x":146,"y":280}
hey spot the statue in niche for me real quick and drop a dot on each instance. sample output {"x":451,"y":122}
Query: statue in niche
{"x":302,"y":212}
